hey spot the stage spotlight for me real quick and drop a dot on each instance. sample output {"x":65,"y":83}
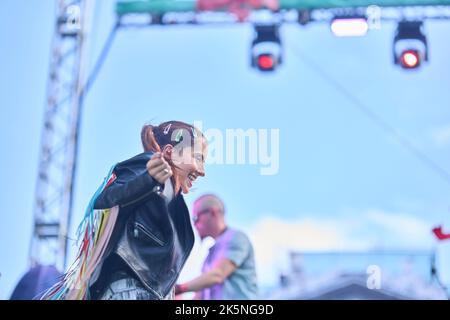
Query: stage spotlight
{"x":410,"y":45}
{"x":266,"y":50}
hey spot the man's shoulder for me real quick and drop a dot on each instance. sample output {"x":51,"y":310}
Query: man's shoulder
{"x":236,"y":235}
{"x":235,"y":245}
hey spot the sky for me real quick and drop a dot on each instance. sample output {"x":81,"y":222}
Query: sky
{"x":343,"y":183}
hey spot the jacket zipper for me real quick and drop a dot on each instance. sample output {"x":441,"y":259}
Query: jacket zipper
{"x":148,"y":233}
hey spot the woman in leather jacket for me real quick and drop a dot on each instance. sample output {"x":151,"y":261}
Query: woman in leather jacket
{"x":150,"y":237}
{"x":153,"y":235}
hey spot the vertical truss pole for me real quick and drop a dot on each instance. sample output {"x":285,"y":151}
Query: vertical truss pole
{"x":59,"y":138}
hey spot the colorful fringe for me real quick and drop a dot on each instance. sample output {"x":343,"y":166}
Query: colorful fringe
{"x":94,"y":232}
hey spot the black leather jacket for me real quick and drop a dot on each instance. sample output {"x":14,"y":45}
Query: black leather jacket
{"x":152,"y":237}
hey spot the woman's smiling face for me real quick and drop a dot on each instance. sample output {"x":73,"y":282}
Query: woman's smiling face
{"x":189,"y":163}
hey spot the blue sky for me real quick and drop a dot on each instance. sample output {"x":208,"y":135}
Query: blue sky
{"x":343,"y":183}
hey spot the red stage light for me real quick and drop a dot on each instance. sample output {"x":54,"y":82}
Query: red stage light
{"x":410,"y":59}
{"x":266,"y":62}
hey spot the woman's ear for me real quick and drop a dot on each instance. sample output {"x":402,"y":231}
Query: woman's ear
{"x":167,"y":152}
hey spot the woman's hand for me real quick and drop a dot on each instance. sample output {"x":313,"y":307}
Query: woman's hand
{"x":159,"y":168}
